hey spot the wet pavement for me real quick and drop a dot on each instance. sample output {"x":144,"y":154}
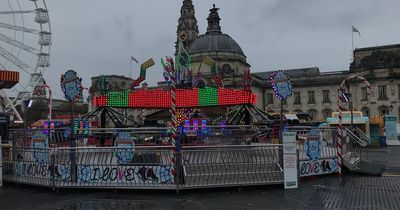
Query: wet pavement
{"x":327,"y":192}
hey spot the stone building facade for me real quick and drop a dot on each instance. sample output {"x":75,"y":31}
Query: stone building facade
{"x":315,"y":92}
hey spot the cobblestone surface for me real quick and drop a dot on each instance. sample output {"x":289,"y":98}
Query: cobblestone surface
{"x":329,"y":192}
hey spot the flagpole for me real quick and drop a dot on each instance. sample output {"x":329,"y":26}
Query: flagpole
{"x":130,"y":68}
{"x":352,"y":39}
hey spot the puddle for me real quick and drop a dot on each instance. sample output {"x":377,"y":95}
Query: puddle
{"x":104,"y":205}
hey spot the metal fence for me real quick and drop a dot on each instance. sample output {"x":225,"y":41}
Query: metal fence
{"x":151,"y":168}
{"x":147,"y":136}
{"x":326,"y":137}
{"x":24,"y":167}
{"x":102,"y":168}
{"x":231,"y":166}
{"x":212,"y":156}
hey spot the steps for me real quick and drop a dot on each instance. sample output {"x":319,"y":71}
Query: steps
{"x":358,"y":136}
{"x":371,"y":168}
{"x":353,"y":162}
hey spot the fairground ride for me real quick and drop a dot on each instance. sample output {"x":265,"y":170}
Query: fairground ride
{"x":188,"y":95}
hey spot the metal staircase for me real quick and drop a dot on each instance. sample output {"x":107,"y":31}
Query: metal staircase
{"x":362,"y":135}
{"x":358,"y":136}
{"x":353,"y":159}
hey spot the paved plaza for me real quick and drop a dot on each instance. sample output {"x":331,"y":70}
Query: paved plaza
{"x":326,"y":192}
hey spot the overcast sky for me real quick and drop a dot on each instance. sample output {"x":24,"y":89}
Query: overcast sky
{"x":99,"y":36}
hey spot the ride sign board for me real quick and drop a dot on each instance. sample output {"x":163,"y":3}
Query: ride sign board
{"x":281,"y":84}
{"x":290,"y":160}
{"x":71,"y":85}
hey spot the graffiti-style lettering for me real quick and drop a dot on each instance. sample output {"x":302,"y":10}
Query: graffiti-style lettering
{"x":42,"y":170}
{"x":130,"y":174}
{"x":118,"y":174}
{"x":318,"y":167}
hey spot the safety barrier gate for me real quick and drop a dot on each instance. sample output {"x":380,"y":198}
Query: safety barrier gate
{"x":214,"y":157}
{"x":151,"y":168}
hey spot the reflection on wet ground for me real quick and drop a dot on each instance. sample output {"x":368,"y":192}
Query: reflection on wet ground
{"x":105,"y":205}
{"x":324,"y":192}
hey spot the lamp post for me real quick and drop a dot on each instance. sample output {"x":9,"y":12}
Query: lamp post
{"x":25,"y":106}
{"x":349,"y":98}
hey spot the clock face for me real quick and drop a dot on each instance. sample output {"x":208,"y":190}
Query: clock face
{"x":183,"y":36}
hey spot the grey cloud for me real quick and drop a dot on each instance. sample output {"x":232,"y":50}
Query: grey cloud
{"x":98,"y":36}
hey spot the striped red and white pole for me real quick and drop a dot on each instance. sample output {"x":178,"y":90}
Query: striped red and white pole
{"x":173,"y":112}
{"x":341,"y":97}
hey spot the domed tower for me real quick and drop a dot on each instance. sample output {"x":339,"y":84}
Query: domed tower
{"x":188,"y":30}
{"x":227,"y":53}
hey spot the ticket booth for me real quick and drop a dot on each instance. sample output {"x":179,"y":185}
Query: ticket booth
{"x":359,"y":121}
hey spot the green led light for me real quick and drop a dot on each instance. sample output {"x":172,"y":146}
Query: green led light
{"x":118,"y":99}
{"x":208,"y":96}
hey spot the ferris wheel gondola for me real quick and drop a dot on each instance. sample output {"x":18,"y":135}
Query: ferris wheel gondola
{"x":25,"y":42}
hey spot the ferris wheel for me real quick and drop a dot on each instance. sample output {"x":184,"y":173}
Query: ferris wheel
{"x":25,"y":41}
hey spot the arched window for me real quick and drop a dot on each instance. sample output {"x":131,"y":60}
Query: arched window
{"x":326,"y":113}
{"x":298,"y":111}
{"x":365,"y":111}
{"x":384,"y":110}
{"x":313,"y":113}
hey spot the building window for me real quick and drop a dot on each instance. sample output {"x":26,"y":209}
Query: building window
{"x":311,"y":97}
{"x":326,"y":96}
{"x":364,"y":94}
{"x":382,"y":92}
{"x":297,"y":98}
{"x":365,"y":111}
{"x":123,"y":84}
{"x":398,"y":91}
{"x":270,"y":98}
{"x":326,"y":113}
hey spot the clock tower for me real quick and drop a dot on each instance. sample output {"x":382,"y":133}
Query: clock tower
{"x":188,"y":30}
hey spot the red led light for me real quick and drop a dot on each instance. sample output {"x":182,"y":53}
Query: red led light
{"x":159,"y":98}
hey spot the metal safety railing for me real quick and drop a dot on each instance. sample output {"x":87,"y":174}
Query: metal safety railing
{"x":150,"y":168}
{"x":325,"y":136}
{"x":147,"y":136}
{"x":115,"y":167}
{"x":361,"y":140}
{"x":231,"y":166}
{"x":211,"y":156}
{"x":23,"y":166}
